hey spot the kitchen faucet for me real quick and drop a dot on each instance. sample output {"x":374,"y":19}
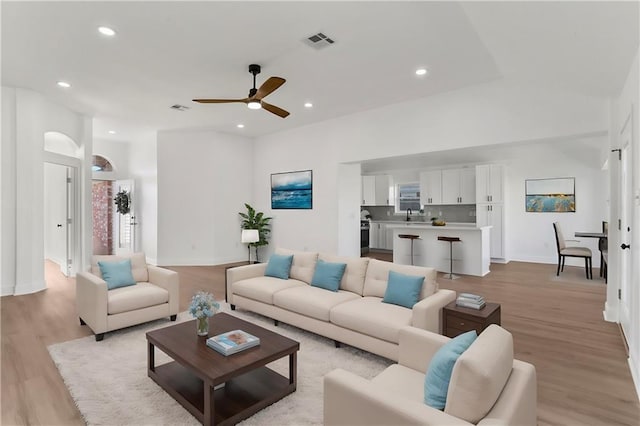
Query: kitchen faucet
{"x":408,"y":213}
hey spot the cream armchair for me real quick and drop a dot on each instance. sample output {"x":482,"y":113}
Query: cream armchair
{"x":488,"y":387}
{"x":156,"y":295}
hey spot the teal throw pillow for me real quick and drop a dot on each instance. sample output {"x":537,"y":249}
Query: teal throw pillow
{"x":279,"y":266}
{"x":328,"y":275}
{"x":117,"y":274}
{"x":436,"y":382}
{"x":403,"y":290}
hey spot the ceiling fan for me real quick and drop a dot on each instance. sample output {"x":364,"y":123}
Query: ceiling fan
{"x":254,"y":100}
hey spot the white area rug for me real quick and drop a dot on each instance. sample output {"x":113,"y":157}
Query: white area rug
{"x":108,"y":380}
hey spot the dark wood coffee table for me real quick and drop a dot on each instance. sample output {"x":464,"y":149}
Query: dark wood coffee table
{"x":218,"y":389}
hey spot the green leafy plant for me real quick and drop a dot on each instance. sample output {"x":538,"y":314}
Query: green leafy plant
{"x":122,"y":202}
{"x":256,"y":220}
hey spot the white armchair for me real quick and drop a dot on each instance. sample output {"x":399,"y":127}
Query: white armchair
{"x":488,"y":387}
{"x":156,"y":295}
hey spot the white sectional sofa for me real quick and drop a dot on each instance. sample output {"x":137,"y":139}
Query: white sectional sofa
{"x":354,"y":315}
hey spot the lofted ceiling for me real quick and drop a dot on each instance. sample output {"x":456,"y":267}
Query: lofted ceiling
{"x":167,"y":53}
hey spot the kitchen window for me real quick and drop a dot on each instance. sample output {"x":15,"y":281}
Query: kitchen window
{"x":408,"y":197}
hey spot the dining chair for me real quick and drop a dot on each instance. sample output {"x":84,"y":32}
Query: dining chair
{"x":603,"y":246}
{"x":564,"y":251}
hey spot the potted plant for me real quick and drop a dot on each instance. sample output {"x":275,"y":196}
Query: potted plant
{"x":256,"y":220}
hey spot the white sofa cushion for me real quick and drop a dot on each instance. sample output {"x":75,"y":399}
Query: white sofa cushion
{"x":402,"y":382}
{"x":138,"y":265}
{"x":263,"y":288}
{"x":370,"y":316}
{"x":354,"y":273}
{"x":311,"y":301}
{"x":133,"y":297}
{"x":375,"y":283}
{"x":303,"y":265}
{"x":480,"y":374}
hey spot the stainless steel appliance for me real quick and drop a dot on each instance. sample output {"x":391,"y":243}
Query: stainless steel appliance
{"x":364,"y":236}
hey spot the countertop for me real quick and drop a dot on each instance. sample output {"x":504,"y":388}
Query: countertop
{"x":427,"y":223}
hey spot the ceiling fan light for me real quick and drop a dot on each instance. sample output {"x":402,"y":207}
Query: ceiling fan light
{"x":254,"y":105}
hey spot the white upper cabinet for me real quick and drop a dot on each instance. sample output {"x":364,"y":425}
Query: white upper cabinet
{"x":459,"y":186}
{"x":490,"y":183}
{"x":368,"y":190}
{"x":431,"y":187}
{"x":375,"y":190}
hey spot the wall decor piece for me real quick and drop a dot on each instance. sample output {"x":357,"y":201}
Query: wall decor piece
{"x":556,"y":195}
{"x":292,"y":190}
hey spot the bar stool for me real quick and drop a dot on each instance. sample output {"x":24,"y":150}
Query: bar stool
{"x":410,"y":237}
{"x":450,"y":240}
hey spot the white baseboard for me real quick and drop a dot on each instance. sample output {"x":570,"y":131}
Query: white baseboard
{"x":635,"y":375}
{"x":152,"y":261}
{"x":610,"y":313}
{"x":32,"y":288}
{"x":7,"y":290}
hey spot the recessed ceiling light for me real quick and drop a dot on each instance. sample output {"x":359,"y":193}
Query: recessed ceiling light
{"x":64,"y":84}
{"x":240,"y":126}
{"x":421,"y":71}
{"x":106,"y":31}
{"x":112,"y":132}
{"x":308,"y":105}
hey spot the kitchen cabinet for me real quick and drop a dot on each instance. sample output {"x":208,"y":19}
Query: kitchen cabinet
{"x":490,"y":183}
{"x":493,"y":215}
{"x":459,"y":186}
{"x":380,"y":236}
{"x":375,"y":190}
{"x":431,"y":187}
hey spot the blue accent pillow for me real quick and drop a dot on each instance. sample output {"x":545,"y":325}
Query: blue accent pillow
{"x":403,"y":290}
{"x":117,"y":274}
{"x":436,"y":382}
{"x":279,"y":266}
{"x":328,"y":275}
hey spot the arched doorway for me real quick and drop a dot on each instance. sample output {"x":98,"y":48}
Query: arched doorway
{"x":61,"y":208}
{"x":102,"y":206}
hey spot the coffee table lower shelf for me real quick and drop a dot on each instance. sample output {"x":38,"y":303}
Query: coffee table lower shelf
{"x":239,"y":398}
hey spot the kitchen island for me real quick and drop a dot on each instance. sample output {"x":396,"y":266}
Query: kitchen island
{"x":471,"y":256}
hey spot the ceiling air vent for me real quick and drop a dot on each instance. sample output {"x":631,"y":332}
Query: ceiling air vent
{"x":179,"y":107}
{"x":318,"y":41}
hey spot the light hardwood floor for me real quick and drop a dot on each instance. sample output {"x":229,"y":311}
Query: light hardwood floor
{"x":557,"y":324}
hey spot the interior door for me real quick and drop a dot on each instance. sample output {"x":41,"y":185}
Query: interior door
{"x":124,"y":223}
{"x":70,"y":220}
{"x":626,"y":214}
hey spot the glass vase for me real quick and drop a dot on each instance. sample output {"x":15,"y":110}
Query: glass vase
{"x":202,"y":325}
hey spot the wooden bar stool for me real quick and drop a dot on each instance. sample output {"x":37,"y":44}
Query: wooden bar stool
{"x":450,"y":240}
{"x":410,"y":237}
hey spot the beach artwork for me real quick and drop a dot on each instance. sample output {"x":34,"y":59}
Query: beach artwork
{"x":292,"y":190}
{"x":555,"y":195}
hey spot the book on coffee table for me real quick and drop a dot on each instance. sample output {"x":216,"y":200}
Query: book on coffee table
{"x":232,"y":342}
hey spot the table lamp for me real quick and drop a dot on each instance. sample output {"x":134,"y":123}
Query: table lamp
{"x":250,"y":236}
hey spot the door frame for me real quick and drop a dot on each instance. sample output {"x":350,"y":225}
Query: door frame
{"x":74,"y":233}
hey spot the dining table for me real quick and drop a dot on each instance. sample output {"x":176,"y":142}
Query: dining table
{"x":604,"y":258}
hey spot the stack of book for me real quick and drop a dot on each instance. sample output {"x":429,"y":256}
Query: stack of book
{"x":232,"y":342}
{"x":469,"y":300}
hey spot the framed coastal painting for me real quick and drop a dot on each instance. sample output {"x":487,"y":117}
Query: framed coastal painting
{"x":554,"y":195}
{"x":292,"y":190}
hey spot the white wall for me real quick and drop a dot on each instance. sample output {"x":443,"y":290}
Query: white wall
{"x":530,"y":236}
{"x":117,"y":152}
{"x":626,"y":102}
{"x":204,"y":179}
{"x":482,"y":115}
{"x":26,"y":117}
{"x":143,"y":169}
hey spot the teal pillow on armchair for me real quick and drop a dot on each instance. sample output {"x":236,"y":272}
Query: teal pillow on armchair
{"x":117,"y":274}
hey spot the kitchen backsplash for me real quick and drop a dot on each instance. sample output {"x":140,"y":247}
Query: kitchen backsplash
{"x":465,"y":213}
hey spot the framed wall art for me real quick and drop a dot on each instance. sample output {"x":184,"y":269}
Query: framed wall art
{"x":292,"y":190}
{"x":554,"y":195}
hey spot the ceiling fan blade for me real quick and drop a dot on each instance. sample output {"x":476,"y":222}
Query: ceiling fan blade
{"x":220,"y":101}
{"x":269,"y":86}
{"x":275,"y":110}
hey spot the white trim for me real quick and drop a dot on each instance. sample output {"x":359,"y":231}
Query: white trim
{"x":610,"y":312}
{"x":635,"y":375}
{"x":33,"y":288}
